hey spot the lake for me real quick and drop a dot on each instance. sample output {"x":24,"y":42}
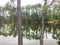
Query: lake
{"x":14,"y":41}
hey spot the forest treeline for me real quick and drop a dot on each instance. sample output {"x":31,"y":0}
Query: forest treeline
{"x":31,"y":20}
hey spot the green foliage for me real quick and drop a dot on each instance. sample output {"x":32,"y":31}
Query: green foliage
{"x":31,"y":20}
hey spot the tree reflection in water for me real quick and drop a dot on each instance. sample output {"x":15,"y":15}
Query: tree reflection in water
{"x":58,"y":42}
{"x":53,"y":29}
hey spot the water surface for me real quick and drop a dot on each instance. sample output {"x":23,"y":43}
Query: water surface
{"x":14,"y":41}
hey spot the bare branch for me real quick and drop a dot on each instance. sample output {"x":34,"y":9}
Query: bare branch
{"x":12,"y":3}
{"x":51,"y":3}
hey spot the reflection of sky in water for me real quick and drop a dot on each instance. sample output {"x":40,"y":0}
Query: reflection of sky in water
{"x":49,"y":36}
{"x":13,"y":41}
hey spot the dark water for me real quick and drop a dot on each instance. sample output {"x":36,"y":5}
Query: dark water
{"x":13,"y":41}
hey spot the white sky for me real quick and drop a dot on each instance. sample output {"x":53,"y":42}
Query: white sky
{"x":2,"y":2}
{"x":27,"y":2}
{"x":23,"y":2}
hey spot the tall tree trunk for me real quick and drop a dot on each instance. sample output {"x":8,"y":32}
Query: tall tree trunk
{"x":42,"y":28}
{"x":19,"y":26}
{"x":42,"y":31}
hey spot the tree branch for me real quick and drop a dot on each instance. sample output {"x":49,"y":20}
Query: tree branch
{"x":51,"y":3}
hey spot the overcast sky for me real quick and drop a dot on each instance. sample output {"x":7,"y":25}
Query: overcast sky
{"x":23,"y":2}
{"x":26,"y":2}
{"x":2,"y":2}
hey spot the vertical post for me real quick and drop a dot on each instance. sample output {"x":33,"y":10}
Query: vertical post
{"x":42,"y":28}
{"x":19,"y":26}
